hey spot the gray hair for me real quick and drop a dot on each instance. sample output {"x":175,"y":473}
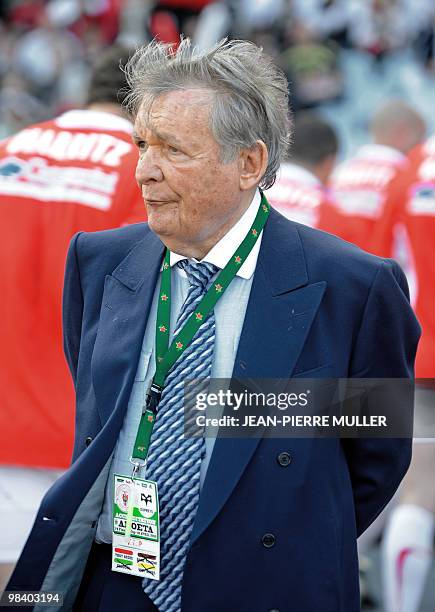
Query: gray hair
{"x":250,"y":92}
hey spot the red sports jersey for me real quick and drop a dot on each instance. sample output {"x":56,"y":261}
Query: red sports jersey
{"x":56,"y":178}
{"x":357,"y":193}
{"x":410,"y":203}
{"x":297,"y":194}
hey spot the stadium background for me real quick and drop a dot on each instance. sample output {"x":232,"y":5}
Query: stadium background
{"x":342,"y":57}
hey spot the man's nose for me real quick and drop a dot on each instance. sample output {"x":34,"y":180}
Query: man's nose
{"x":148,"y":168}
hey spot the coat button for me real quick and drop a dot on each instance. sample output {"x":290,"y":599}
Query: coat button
{"x":88,"y":440}
{"x":274,"y":610}
{"x":284,"y":459}
{"x":268,"y":540}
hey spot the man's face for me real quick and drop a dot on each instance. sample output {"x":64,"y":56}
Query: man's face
{"x":191,"y":197}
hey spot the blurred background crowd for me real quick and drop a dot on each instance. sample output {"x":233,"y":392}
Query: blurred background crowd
{"x":343,"y":56}
{"x":362,"y":83}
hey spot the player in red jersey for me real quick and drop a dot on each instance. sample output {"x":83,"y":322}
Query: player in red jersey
{"x":408,"y":541}
{"x":299,"y":192}
{"x":358,"y":185}
{"x":73,"y":173}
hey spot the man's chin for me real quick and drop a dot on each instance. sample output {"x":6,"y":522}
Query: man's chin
{"x":160,"y":228}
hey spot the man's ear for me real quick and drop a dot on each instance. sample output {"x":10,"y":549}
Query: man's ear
{"x":252,"y":164}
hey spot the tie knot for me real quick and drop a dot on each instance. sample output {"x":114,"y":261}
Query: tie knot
{"x":199,"y":273}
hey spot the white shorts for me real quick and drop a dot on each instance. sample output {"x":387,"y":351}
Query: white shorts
{"x":21,"y":492}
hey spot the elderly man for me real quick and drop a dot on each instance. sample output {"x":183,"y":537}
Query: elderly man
{"x":219,"y":285}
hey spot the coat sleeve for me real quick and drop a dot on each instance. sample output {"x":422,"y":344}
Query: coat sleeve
{"x":72,"y":308}
{"x":385,"y":348}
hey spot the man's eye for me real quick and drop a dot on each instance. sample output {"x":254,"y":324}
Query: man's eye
{"x":142,"y":145}
{"x":173,"y":149}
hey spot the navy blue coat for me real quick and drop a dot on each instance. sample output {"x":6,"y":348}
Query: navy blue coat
{"x":319,"y":307}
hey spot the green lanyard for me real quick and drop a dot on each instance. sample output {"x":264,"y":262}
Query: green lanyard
{"x":167,"y":355}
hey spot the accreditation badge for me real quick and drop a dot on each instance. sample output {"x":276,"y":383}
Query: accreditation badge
{"x":135,"y":529}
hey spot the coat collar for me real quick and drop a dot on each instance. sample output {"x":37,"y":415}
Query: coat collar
{"x":281,"y":257}
{"x":125,"y":307}
{"x":141,"y":264}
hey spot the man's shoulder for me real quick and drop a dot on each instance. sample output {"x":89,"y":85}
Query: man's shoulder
{"x":318,"y":243}
{"x":128,"y":234}
{"x":109,"y":247}
{"x":333,"y":259}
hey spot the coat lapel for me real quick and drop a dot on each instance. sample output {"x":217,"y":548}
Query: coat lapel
{"x":125,"y":307}
{"x":281,"y":309}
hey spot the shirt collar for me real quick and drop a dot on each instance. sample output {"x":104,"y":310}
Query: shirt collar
{"x":227,"y":245}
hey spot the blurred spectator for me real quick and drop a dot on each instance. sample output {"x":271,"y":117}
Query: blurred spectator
{"x":170,"y":18}
{"x":255,"y":15}
{"x":299,"y":191}
{"x":18,"y":107}
{"x":326,"y":19}
{"x":26,"y":13}
{"x":358,"y":185}
{"x":4,"y":9}
{"x":312,"y":67}
{"x":133,"y":17}
{"x":425,"y":42}
{"x":381,"y":26}
{"x":214,"y":23}
{"x":102,"y":16}
{"x":74,"y":173}
{"x":408,"y":542}
{"x":49,"y":46}
{"x":42,"y":53}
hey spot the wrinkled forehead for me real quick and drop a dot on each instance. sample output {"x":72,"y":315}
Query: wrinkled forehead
{"x":177,"y":106}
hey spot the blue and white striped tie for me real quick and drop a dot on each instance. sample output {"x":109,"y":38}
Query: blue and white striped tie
{"x":174,"y":462}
